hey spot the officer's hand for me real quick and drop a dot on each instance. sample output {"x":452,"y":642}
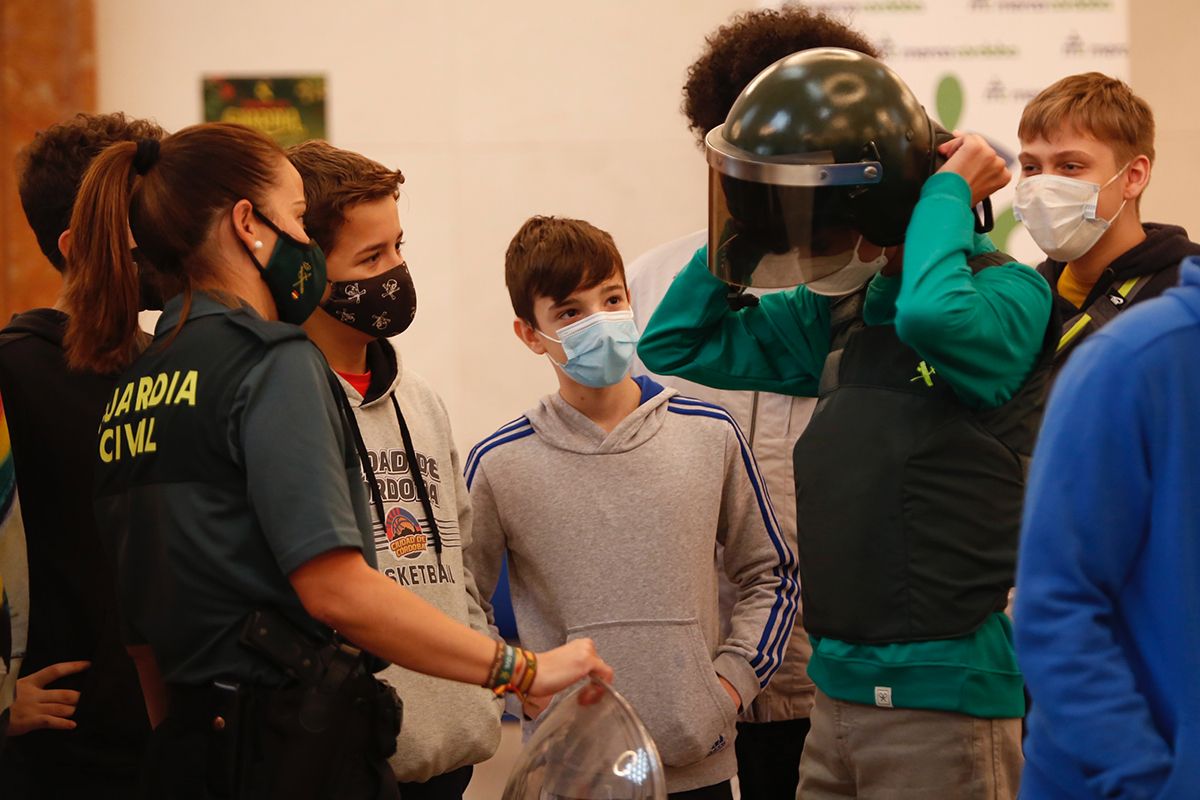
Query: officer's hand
{"x":36,"y":707}
{"x":970,"y":156}
{"x":563,"y":666}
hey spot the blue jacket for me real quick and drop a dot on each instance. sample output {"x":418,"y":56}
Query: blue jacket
{"x":1108,"y":584}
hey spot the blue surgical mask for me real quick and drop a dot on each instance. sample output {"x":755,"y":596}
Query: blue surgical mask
{"x":599,"y":348}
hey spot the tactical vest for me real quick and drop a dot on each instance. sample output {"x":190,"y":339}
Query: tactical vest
{"x":908,"y":501}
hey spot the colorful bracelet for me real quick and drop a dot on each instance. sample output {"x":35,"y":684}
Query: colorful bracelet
{"x":504,"y":677}
{"x":499,"y":658}
{"x":530,"y":673}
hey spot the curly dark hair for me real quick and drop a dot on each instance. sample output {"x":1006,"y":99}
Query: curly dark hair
{"x":749,"y":43}
{"x":52,"y":166}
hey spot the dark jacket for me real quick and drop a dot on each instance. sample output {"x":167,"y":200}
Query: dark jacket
{"x":1164,"y":248}
{"x":53,"y":414}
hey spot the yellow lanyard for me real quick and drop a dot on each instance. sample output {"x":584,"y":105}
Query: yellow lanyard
{"x":1084,"y":319}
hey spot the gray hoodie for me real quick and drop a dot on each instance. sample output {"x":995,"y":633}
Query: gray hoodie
{"x":612,"y":536}
{"x":446,"y":725}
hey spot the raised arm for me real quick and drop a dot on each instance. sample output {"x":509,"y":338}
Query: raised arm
{"x":981,"y":332}
{"x":779,"y":345}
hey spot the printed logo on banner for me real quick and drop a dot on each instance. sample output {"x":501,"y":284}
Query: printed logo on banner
{"x":872,"y":6}
{"x":1041,"y":5}
{"x":1075,"y":46}
{"x":997,"y":91}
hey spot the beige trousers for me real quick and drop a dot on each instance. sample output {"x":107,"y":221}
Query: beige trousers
{"x":875,"y":753}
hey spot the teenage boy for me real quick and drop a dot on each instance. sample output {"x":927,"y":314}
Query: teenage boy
{"x":410,"y":464}
{"x":1109,"y":572}
{"x":79,"y":724}
{"x":930,"y":375}
{"x":610,"y":497}
{"x":772,"y":729}
{"x":1087,"y":149}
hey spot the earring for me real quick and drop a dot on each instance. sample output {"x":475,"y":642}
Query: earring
{"x":257,"y":245}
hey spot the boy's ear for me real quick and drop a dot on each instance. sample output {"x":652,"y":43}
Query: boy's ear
{"x":64,"y":242}
{"x":528,"y":336}
{"x":1137,"y":176}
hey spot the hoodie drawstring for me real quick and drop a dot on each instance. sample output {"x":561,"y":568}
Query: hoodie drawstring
{"x":414,"y":467}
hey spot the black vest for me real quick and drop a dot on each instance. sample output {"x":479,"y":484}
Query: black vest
{"x":908,"y":501}
{"x":167,"y":420}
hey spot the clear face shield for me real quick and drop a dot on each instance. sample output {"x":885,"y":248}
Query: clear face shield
{"x":775,"y":222}
{"x":589,"y":745}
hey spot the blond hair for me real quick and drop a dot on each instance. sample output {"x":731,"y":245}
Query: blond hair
{"x":1094,"y":104}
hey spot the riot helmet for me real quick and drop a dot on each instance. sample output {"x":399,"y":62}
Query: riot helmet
{"x":824,"y":151}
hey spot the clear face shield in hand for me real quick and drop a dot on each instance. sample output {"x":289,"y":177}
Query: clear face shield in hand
{"x":776,"y":222}
{"x":589,"y":745}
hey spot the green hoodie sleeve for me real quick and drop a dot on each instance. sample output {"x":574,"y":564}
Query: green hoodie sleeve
{"x":981,"y":332}
{"x":778,"y":346}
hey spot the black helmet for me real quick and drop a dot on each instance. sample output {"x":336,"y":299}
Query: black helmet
{"x":825,"y":148}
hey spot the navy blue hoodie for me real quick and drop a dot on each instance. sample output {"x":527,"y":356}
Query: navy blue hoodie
{"x":1108,"y":585}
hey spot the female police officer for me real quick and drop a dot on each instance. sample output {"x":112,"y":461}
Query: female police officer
{"x":235,"y":495}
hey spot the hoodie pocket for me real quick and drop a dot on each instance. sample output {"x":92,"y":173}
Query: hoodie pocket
{"x":664,"y":670}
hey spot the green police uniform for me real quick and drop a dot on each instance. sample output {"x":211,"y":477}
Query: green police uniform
{"x":224,"y":465}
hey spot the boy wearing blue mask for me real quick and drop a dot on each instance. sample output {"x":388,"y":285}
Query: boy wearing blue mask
{"x":1087,"y":149}
{"x":609,"y":499}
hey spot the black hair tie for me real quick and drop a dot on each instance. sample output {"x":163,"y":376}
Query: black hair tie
{"x":146,"y":155}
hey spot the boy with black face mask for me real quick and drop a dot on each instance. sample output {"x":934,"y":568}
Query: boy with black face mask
{"x":78,"y":725}
{"x":419,"y":500}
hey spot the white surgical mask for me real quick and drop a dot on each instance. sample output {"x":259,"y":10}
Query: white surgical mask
{"x":851,"y":277}
{"x":833,"y":276}
{"x":1060,"y":213}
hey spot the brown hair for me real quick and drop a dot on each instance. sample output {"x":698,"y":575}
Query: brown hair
{"x":749,"y":43}
{"x":335,"y":181}
{"x":553,"y":257}
{"x":1093,"y":104}
{"x":52,"y":166}
{"x":171,"y":206}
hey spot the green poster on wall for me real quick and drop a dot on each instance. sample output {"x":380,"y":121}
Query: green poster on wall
{"x":289,"y":110}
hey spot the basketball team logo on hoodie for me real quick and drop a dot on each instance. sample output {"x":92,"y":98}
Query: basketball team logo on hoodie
{"x":404,"y":535}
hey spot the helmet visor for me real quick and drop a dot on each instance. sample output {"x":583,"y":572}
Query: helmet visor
{"x":769,"y":237}
{"x":780,"y":221}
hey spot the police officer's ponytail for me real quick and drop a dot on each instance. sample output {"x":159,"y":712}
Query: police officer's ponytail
{"x":102,"y":287}
{"x":170,"y":195}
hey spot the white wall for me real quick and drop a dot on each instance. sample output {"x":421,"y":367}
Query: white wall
{"x":494,"y":111}
{"x":1162,"y":38}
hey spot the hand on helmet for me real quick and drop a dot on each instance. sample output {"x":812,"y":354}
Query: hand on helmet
{"x":970,"y":156}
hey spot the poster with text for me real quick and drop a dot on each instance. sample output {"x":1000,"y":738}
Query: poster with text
{"x":289,"y":110}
